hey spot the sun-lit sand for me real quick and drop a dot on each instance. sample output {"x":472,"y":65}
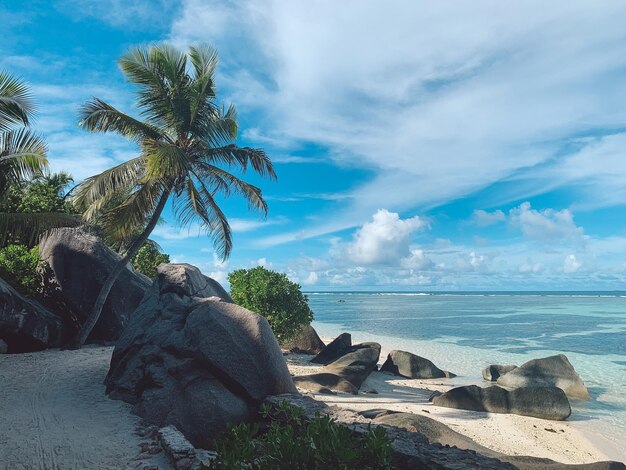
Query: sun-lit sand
{"x":54,"y":414}
{"x":507,"y":434}
{"x":54,"y":410}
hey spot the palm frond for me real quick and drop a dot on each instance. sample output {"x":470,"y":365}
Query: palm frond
{"x":202,"y":89}
{"x":189,"y":206}
{"x":204,"y":60}
{"x":22,"y":156}
{"x":165,"y":160}
{"x":199,"y":203}
{"x":243,"y":157}
{"x":224,"y":182}
{"x":95,"y":192}
{"x":98,"y":116}
{"x":215,"y":127}
{"x":28,"y":227}
{"x":16,"y":103}
{"x":135,"y":211}
{"x":160,"y":73}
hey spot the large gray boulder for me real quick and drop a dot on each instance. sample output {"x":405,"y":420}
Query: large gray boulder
{"x":25,"y":325}
{"x":344,"y":375}
{"x":306,"y":342}
{"x":411,"y":366}
{"x":554,"y":371}
{"x":435,"y":433}
{"x":334,"y":350}
{"x":493,"y":372}
{"x":539,"y":402}
{"x":195,"y":362}
{"x":79,"y":265}
{"x":357,"y":365}
{"x":325,"y":383}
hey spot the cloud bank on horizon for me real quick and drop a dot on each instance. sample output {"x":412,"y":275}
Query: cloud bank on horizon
{"x":426,"y":145}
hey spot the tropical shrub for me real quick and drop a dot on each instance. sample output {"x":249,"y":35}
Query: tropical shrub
{"x":22,"y":268}
{"x":273,"y":296}
{"x":43,"y":194}
{"x":284,"y":440}
{"x":148,"y":258}
{"x":22,"y":158}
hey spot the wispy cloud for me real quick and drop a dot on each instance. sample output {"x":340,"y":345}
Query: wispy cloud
{"x":137,"y":14}
{"x":170,"y":232}
{"x":438,"y":113}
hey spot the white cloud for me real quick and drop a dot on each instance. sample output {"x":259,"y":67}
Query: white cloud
{"x":483,"y":218}
{"x":530,"y":267}
{"x":249,"y":225}
{"x":437,"y":113}
{"x":264,"y":262}
{"x":545,"y":225}
{"x":175,"y":232}
{"x":169,"y":232}
{"x":311,"y":279}
{"x":385,"y":240}
{"x":571,"y":264}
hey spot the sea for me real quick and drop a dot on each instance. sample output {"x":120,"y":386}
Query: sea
{"x":465,"y":331}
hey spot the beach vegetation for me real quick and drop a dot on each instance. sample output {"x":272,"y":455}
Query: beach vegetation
{"x":23,"y":268}
{"x":272,"y":295}
{"x":187,"y":156}
{"x":22,"y":158}
{"x":41,"y":201}
{"x":284,"y":439}
{"x":148,"y":259}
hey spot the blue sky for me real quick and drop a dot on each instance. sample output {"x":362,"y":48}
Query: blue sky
{"x":418,"y":145}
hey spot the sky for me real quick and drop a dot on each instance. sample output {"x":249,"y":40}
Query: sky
{"x":419,"y":146}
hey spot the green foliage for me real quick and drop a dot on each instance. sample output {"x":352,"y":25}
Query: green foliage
{"x":22,"y":157}
{"x":22,"y":268}
{"x":44,"y":194}
{"x":274,"y":296}
{"x":287,"y":441}
{"x":148,"y":258}
{"x":30,"y":208}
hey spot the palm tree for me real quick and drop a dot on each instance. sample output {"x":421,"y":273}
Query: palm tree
{"x":22,"y":154}
{"x":22,"y":157}
{"x":186,"y":152}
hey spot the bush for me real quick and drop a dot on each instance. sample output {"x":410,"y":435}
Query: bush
{"x":148,"y":258}
{"x":22,"y":268}
{"x":286,"y":441}
{"x":273,"y":296}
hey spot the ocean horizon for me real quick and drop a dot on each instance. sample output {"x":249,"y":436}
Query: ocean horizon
{"x":570,"y":293}
{"x":466,"y":331}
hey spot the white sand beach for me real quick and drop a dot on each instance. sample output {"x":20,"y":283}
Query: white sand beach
{"x":561,"y":441}
{"x":54,"y":414}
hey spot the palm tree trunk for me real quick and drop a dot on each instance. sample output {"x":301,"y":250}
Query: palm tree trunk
{"x":91,"y":321}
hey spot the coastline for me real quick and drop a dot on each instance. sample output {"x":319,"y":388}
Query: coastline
{"x":573,"y":441}
{"x":48,"y":418}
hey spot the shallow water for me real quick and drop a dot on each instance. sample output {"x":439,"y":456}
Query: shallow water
{"x":465,"y":332}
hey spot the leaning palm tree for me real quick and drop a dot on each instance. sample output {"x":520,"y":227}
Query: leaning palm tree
{"x":22,"y":157}
{"x":187,"y":151}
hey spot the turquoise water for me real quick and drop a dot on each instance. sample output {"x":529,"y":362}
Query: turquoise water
{"x":463,"y":332}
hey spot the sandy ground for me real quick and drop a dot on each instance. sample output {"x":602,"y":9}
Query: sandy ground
{"x":54,"y":415}
{"x":507,"y":434}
